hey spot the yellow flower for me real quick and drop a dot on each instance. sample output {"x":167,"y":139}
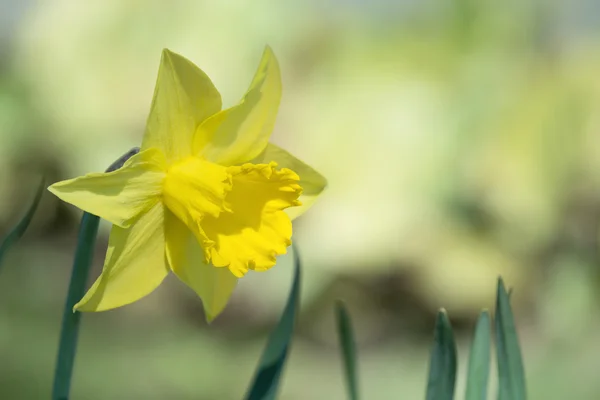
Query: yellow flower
{"x":205,"y":196}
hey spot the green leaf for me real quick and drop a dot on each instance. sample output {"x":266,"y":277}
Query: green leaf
{"x":348,"y":346}
{"x":511,"y":375}
{"x":268,"y":374}
{"x":479,"y":359}
{"x":19,"y":230}
{"x":442,"y":366}
{"x":88,"y":230}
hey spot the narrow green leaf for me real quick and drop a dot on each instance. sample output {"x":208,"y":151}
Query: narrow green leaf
{"x":19,"y":230}
{"x":348,"y":347}
{"x":268,"y":374}
{"x":511,"y":374}
{"x":442,"y":365}
{"x":479,"y":359}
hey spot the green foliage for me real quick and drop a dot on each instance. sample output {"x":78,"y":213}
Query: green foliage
{"x":268,"y":374}
{"x":511,"y":374}
{"x":443,"y":363}
{"x":479,"y":359}
{"x":442,"y":366}
{"x":348,"y":347}
{"x":19,"y":230}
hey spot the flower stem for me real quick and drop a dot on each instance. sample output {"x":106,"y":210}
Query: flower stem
{"x":88,"y":230}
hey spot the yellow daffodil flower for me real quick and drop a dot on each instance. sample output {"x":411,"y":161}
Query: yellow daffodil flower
{"x":207,"y":197}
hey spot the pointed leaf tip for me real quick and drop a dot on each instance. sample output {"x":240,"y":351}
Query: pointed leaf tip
{"x":511,"y":373}
{"x":443,"y":361}
{"x":479,"y":359}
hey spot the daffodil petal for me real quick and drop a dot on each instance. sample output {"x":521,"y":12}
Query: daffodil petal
{"x":255,"y":229}
{"x":118,"y":196}
{"x":135,"y":264}
{"x":240,"y":133}
{"x":186,"y":259}
{"x":184,"y":97}
{"x":312,"y":182}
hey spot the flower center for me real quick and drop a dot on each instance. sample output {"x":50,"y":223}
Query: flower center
{"x":194,"y":188}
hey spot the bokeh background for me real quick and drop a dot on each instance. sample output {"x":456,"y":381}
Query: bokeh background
{"x":461,"y":140}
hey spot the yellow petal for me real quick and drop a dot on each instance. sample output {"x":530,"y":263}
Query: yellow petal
{"x":118,"y":196}
{"x":184,"y":97}
{"x":240,"y":133}
{"x":135,"y":264}
{"x":312,"y":182}
{"x":255,"y":229}
{"x":186,"y":258}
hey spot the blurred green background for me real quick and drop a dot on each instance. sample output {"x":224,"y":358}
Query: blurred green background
{"x":461,"y":140}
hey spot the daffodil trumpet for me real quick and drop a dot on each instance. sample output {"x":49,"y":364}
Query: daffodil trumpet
{"x":207,"y":197}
